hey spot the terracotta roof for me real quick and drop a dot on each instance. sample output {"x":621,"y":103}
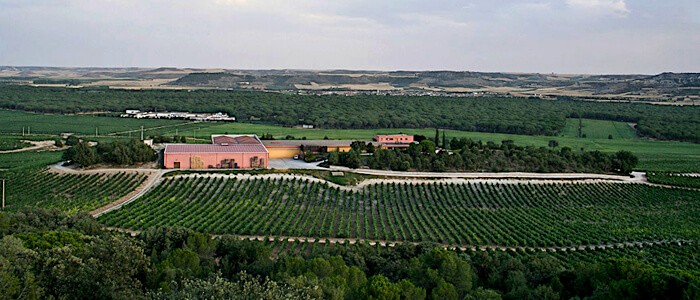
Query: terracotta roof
{"x":320,"y":143}
{"x":206,"y":148}
{"x":234,"y":139}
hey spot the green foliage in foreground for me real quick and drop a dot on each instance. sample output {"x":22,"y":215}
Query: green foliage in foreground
{"x":677,"y":179}
{"x":46,"y":254}
{"x":474,"y":213}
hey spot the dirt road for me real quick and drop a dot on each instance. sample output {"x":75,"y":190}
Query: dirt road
{"x":391,"y":244}
{"x":37,"y":145}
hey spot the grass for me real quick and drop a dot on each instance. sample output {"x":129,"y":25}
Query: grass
{"x":598,"y":129}
{"x":12,"y":122}
{"x":12,"y":143}
{"x":654,"y":155}
{"x":29,"y":159}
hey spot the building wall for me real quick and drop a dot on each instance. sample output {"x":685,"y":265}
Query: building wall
{"x":283,"y":152}
{"x":204,"y":160}
{"x":396,"y":139}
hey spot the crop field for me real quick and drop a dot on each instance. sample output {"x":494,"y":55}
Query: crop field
{"x":677,"y":179}
{"x":654,"y":155}
{"x":68,"y":192}
{"x":456,"y":213}
{"x":12,"y":122}
{"x":668,"y":255}
{"x":598,"y":129}
{"x":29,"y":159}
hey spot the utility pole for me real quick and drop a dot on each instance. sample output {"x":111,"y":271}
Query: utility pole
{"x":22,"y":130}
{"x":29,"y":130}
{"x":95,"y":131}
{"x":142,"y":132}
{"x":3,"y":194}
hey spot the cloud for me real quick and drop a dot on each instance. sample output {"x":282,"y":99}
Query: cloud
{"x":615,"y":7}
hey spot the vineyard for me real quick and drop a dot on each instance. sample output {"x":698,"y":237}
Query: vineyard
{"x":455,"y":213}
{"x":668,"y":255}
{"x":68,"y":192}
{"x":677,"y":179}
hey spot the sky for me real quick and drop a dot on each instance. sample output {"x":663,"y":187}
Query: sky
{"x":560,"y":36}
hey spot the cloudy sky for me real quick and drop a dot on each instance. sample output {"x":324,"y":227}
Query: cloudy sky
{"x":562,"y":36}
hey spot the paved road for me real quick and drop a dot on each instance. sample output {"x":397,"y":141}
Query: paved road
{"x":289,"y":163}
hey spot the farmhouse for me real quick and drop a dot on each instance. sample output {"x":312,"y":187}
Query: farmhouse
{"x":225,"y":152}
{"x":394,"y":140}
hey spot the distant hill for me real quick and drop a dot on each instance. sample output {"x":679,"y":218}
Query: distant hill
{"x":676,"y":87}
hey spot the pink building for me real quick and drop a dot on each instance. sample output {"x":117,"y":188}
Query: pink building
{"x":394,"y":139}
{"x":225,"y":152}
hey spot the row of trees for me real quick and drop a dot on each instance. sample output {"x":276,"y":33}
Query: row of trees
{"x":47,"y":254}
{"x":117,"y":152}
{"x":469,"y":155}
{"x":485,"y":114}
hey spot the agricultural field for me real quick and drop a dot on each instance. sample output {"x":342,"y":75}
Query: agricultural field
{"x":29,"y":159}
{"x":653,"y":155}
{"x":678,"y":179}
{"x":12,"y":143}
{"x":598,"y":129}
{"x":455,"y":213}
{"x":68,"y":192}
{"x":667,"y":255}
{"x":12,"y":122}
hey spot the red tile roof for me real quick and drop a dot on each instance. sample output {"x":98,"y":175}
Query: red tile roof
{"x":228,"y":139}
{"x":206,"y":148}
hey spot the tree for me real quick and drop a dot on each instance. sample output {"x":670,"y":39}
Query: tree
{"x":610,"y":137}
{"x":379,"y":287}
{"x":553,"y":144}
{"x":437,"y":137}
{"x":82,"y":154}
{"x":444,"y":141}
{"x":444,"y":291}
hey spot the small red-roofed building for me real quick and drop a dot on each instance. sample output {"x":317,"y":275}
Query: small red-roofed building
{"x":394,"y":140}
{"x":225,"y":152}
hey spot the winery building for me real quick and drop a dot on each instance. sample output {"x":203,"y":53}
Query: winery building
{"x":225,"y":152}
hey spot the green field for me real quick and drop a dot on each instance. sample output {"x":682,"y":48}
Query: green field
{"x":29,"y":159}
{"x":12,"y":142}
{"x":12,"y":122}
{"x":654,"y":155}
{"x":457,"y":213}
{"x":598,"y":129}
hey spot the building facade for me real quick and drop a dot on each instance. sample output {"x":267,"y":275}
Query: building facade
{"x":225,"y":152}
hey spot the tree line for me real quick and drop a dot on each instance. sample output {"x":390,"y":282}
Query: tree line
{"x":117,"y":152}
{"x":476,"y":156}
{"x":48,"y":254}
{"x":483,"y":114}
